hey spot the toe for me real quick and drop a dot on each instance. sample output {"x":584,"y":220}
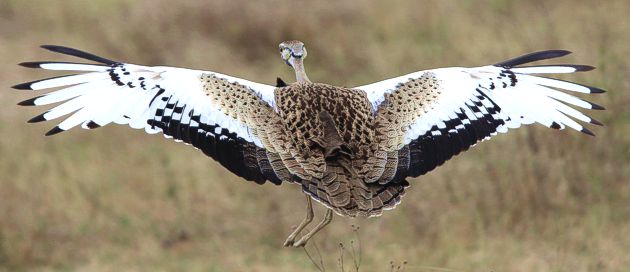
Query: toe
{"x":300,"y":243}
{"x":289,"y":242}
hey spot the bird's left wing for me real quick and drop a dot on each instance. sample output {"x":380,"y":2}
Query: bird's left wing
{"x":218,"y":114}
{"x":430,"y":116}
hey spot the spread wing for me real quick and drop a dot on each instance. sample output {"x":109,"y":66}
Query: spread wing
{"x":430,"y":116}
{"x":215,"y":113}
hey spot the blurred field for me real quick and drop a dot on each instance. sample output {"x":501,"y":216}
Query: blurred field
{"x":116,"y":199}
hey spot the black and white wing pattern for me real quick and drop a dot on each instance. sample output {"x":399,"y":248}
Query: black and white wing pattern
{"x":205,"y":109}
{"x":430,"y":116}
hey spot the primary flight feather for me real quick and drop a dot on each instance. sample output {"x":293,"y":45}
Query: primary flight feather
{"x":351,"y":149}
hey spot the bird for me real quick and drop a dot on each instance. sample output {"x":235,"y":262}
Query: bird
{"x":351,"y":149}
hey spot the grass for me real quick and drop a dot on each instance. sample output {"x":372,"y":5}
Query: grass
{"x":116,"y":199}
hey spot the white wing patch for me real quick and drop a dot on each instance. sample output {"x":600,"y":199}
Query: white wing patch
{"x":504,"y":97}
{"x":153,"y":98}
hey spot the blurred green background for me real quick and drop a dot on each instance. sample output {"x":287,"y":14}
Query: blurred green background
{"x":115,"y":199}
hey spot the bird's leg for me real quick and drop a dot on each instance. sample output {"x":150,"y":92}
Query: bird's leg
{"x":308,"y":219}
{"x":327,"y":218}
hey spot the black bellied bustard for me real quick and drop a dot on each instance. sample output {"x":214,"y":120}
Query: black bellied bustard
{"x":351,"y":149}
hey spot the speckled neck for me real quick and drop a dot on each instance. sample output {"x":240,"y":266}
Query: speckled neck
{"x":300,"y":73}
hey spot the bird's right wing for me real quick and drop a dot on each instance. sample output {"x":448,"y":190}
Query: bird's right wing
{"x":228,"y":118}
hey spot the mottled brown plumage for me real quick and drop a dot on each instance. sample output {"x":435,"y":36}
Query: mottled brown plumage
{"x":335,"y":179}
{"x":296,"y":142}
{"x":401,"y":108}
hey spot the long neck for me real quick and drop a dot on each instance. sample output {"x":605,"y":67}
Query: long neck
{"x":300,"y":74}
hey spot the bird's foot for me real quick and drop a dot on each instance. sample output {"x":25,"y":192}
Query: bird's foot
{"x":289,"y":242}
{"x":291,"y":239}
{"x":304,"y":239}
{"x":309,"y":217}
{"x":300,"y":243}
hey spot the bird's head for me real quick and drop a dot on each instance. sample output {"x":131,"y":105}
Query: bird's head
{"x":292,"y":51}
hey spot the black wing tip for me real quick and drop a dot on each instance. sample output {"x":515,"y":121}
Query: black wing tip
{"x":38,"y":64}
{"x":551,"y":54}
{"x":23,"y":86}
{"x":586,"y":131}
{"x":555,"y":125}
{"x":596,"y":90}
{"x":93,"y":125}
{"x":595,"y":122}
{"x":577,"y":67}
{"x":28,"y":102}
{"x":56,"y":48}
{"x":51,"y":47}
{"x":54,"y":131}
{"x":31,"y":64}
{"x":582,"y":68}
{"x":28,"y":85}
{"x":560,"y":52}
{"x":596,"y":107}
{"x":280,"y":83}
{"x":77,"y":53}
{"x":532,"y":57}
{"x":37,"y":119}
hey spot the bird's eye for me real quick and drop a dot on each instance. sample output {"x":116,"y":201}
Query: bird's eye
{"x":286,"y":54}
